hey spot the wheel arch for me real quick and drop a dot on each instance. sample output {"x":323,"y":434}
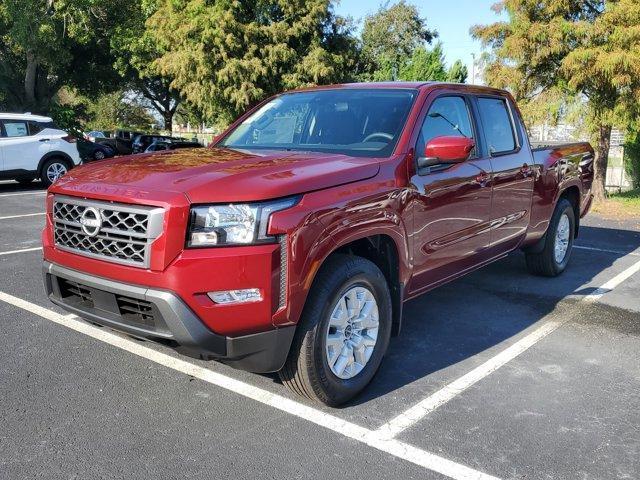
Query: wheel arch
{"x":572,"y":194}
{"x":382,"y":250}
{"x":388,"y":250}
{"x":54,"y":154}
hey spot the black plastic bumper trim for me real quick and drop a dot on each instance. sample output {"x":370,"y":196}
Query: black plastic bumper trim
{"x":176,"y":324}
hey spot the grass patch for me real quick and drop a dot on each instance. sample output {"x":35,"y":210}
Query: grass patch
{"x":620,"y":205}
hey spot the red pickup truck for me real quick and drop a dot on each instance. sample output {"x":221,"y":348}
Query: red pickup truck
{"x":291,"y":244}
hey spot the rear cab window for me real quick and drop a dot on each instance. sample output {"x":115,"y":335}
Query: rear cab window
{"x":497,"y":123}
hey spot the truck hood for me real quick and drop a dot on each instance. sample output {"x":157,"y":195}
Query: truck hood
{"x":209,"y":175}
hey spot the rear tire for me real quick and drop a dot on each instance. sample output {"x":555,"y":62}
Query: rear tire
{"x":331,"y":363}
{"x":52,"y":170}
{"x":558,"y":243}
{"x":99,"y":155}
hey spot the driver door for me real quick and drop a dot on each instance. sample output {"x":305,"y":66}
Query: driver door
{"x":452,"y":208}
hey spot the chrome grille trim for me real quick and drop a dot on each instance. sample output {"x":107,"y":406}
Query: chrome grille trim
{"x":125,"y":236}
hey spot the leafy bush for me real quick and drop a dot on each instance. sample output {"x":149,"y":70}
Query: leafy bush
{"x":632,"y":158}
{"x":69,"y":118}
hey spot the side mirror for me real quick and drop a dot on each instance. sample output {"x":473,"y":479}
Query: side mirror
{"x":446,"y":150}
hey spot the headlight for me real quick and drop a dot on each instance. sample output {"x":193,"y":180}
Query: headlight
{"x":233,"y":224}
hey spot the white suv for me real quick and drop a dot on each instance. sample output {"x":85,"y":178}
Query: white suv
{"x":32,"y":147}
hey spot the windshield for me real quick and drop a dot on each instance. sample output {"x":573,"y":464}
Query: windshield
{"x":354,"y":122}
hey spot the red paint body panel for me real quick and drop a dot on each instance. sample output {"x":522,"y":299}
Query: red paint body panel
{"x":443,"y":224}
{"x":218,"y":175}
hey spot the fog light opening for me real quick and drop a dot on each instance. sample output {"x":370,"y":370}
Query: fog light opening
{"x":227,"y":297}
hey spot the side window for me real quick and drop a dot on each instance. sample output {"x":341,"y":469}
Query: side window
{"x":15,"y":128}
{"x":35,"y":128}
{"x":447,"y":116}
{"x":497,"y":124}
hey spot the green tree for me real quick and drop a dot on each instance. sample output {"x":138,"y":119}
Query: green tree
{"x":458,"y":72}
{"x":116,"y":110}
{"x":44,"y":46}
{"x":424,"y":65}
{"x":227,"y":55}
{"x":586,"y":48}
{"x":390,"y":37}
{"x":136,"y":51}
{"x":632,"y":156}
{"x":429,"y":65}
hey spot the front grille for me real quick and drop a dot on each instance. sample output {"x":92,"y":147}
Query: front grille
{"x":120,"y":233}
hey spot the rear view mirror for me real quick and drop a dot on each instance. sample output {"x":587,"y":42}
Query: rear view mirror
{"x":446,"y":150}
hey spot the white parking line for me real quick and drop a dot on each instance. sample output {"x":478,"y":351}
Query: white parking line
{"x":423,"y":408}
{"x":613,"y":283}
{"x":23,"y":193}
{"x":635,"y":253}
{"x":11,"y":252}
{"x":23,"y":215}
{"x":363,"y":435}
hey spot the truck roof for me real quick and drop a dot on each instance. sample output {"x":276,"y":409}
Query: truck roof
{"x":24,"y":116}
{"x":401,"y":85}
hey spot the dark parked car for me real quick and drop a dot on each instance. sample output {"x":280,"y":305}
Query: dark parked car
{"x":167,"y":145}
{"x":141,"y":142}
{"x":121,"y":142}
{"x":90,"y":151}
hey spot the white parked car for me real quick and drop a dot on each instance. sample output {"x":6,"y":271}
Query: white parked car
{"x":32,"y":147}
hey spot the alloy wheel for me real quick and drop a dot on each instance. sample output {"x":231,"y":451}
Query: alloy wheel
{"x":352,"y":332}
{"x":563,"y":233}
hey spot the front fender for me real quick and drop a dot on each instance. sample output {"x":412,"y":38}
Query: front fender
{"x":329,"y":219}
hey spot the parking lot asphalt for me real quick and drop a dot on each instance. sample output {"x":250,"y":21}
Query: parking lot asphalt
{"x":496,"y":375}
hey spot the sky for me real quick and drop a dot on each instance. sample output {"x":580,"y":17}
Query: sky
{"x":452,"y":20}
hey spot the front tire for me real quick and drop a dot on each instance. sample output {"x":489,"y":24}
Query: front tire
{"x":99,"y":155}
{"x":343,"y":333}
{"x":558,"y":243}
{"x":52,"y":170}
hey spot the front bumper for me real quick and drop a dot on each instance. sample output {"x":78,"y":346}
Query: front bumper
{"x":161,"y":316}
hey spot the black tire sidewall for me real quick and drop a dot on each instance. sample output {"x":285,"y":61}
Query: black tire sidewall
{"x":369,"y":276}
{"x":564,"y":207}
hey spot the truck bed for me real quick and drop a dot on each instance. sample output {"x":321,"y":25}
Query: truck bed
{"x":553,"y":154}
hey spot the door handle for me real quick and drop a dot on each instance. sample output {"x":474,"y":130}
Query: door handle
{"x":43,"y":140}
{"x":482,"y":178}
{"x":526,"y":170}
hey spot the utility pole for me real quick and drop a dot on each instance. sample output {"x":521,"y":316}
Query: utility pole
{"x":473,"y":69}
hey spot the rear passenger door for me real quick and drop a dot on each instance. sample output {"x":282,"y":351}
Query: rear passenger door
{"x":512,"y":171}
